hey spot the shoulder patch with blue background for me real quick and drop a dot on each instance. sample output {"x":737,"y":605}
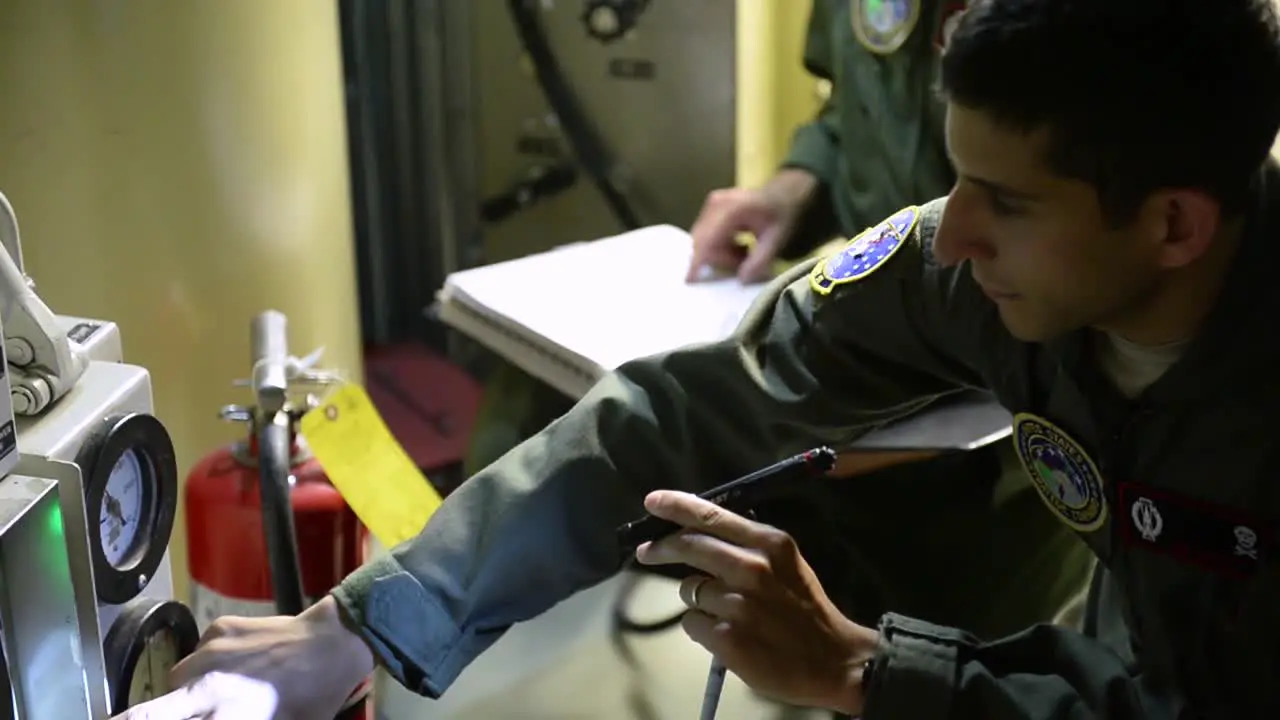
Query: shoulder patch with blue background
{"x":866,"y":253}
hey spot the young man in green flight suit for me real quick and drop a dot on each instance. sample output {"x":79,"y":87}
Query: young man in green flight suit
{"x":876,"y":146}
{"x":1105,"y":264}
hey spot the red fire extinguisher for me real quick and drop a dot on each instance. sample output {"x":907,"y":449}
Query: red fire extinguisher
{"x":267,"y":533}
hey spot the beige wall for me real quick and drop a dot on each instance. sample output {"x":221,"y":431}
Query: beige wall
{"x":775,"y":94}
{"x":178,"y":167}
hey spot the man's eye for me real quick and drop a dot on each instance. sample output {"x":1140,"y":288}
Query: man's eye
{"x":1000,"y":205}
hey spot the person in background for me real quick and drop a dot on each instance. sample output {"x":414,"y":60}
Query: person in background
{"x":902,"y":34}
{"x":876,"y":146}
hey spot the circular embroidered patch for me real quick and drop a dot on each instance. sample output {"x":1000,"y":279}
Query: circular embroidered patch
{"x":866,"y":253}
{"x":1065,"y":476}
{"x":883,"y":26}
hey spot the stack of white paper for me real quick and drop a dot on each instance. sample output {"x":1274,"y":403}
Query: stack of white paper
{"x":570,"y":315}
{"x":573,"y":314}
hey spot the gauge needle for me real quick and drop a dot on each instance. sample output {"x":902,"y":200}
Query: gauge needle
{"x":113,"y":506}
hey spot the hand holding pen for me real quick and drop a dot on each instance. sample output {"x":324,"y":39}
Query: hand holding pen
{"x":758,"y":608}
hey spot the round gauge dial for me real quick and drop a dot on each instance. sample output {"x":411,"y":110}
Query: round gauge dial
{"x":128,"y":509}
{"x":145,"y":642}
{"x":151,"y":671}
{"x":131,"y":496}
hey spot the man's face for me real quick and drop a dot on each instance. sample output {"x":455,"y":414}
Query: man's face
{"x":1037,"y":243}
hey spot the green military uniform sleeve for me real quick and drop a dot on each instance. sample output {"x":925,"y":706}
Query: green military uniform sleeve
{"x":1045,"y":672}
{"x":877,"y":144}
{"x":815,"y":146}
{"x":538,"y":525}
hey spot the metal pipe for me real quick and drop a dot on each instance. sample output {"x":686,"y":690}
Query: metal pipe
{"x":274,"y":441}
{"x":269,"y":345}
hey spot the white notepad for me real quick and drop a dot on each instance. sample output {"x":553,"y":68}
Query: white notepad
{"x":573,"y":314}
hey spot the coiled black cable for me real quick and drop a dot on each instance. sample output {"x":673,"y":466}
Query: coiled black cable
{"x":623,"y":623}
{"x":586,"y":145}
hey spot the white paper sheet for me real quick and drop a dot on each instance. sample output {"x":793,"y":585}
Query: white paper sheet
{"x":611,"y":300}
{"x":569,"y":315}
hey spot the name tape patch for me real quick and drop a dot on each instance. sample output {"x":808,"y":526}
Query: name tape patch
{"x":1218,"y":538}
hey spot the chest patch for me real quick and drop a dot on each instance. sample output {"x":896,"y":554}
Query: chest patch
{"x":883,"y":26}
{"x":1221,"y":539}
{"x":864,"y":254}
{"x":1061,"y":471}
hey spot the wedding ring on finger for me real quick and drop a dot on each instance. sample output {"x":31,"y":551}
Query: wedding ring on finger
{"x":690,"y":590}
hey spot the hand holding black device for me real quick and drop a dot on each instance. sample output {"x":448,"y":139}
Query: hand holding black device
{"x":739,"y":496}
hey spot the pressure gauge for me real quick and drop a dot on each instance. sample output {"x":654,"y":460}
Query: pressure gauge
{"x":146,"y":641}
{"x":131,"y":495}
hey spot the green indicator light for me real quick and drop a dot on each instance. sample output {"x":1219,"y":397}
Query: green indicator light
{"x":54,"y":521}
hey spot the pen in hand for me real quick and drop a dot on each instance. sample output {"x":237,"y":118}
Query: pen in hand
{"x":715,"y":684}
{"x":740,"y":496}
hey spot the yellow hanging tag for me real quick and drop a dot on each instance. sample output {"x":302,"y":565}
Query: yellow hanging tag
{"x":365,"y":463}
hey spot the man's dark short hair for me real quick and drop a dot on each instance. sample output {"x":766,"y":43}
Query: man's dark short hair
{"x":1137,"y":95}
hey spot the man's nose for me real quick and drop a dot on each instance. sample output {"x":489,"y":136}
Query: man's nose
{"x":960,"y":234}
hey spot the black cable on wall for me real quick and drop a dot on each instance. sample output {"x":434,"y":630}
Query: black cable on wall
{"x":583,"y":140}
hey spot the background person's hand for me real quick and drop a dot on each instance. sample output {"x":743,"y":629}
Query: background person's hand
{"x":769,"y":212}
{"x":309,"y":665}
{"x":759,"y":608}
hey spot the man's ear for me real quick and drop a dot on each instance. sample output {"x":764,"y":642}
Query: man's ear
{"x":1181,"y":224}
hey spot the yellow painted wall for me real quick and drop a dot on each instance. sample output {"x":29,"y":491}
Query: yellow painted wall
{"x":775,"y":94}
{"x":178,"y":167}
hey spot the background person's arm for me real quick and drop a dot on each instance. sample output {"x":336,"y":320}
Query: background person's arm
{"x":815,"y":147}
{"x":791,"y":213}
